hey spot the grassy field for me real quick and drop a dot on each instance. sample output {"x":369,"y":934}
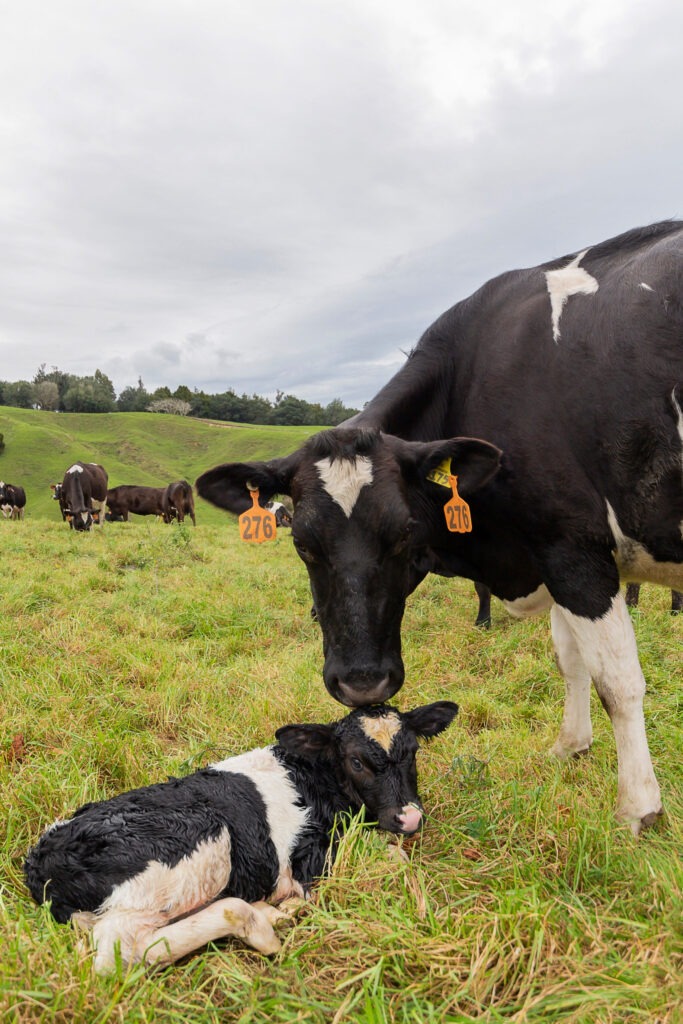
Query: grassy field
{"x":135,"y":448}
{"x":144,"y":650}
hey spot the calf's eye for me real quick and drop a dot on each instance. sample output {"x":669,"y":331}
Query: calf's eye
{"x":356,"y":764}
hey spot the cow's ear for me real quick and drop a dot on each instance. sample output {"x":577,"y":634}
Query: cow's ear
{"x":308,"y":741}
{"x":228,"y":485}
{"x":431,"y":719}
{"x":474,"y":462}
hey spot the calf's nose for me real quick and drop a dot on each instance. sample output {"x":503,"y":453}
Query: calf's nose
{"x":410,"y":818}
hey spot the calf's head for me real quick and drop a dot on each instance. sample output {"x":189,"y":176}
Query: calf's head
{"x":373,"y":752}
{"x":364,"y":514}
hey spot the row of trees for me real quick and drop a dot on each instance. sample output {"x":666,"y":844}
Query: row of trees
{"x":55,"y":390}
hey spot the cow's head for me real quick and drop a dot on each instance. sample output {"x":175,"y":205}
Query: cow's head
{"x":373,"y":753}
{"x":81,"y":520}
{"x":364,"y":517}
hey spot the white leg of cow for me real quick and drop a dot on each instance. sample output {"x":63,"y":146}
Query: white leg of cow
{"x":576,"y":732}
{"x":143,"y":939}
{"x":608,"y":649}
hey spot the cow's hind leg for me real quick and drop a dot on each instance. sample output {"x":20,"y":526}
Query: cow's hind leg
{"x":608,"y":650}
{"x":576,"y":732}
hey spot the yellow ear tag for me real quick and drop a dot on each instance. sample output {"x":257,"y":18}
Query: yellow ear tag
{"x":457,"y":511}
{"x":257,"y":524}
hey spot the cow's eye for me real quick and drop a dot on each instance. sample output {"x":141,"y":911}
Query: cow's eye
{"x":303,"y":551}
{"x":356,"y":764}
{"x":405,"y":538}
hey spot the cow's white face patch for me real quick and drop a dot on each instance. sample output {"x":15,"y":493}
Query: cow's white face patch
{"x":381,"y":730}
{"x":343,"y":479}
{"x":75,"y":469}
{"x":636,"y":564}
{"x":569,"y":280}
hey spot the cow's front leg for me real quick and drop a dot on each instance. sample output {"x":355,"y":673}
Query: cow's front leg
{"x":608,"y":649}
{"x":576,"y":732}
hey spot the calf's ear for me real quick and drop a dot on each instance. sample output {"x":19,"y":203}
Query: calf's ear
{"x":308,"y":741}
{"x":431,"y":719}
{"x":228,"y":485}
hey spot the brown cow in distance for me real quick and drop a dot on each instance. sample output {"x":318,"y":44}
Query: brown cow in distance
{"x":143,"y":501}
{"x":178,"y":501}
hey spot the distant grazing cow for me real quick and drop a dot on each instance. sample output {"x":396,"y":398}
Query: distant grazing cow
{"x":57,"y":496}
{"x":165,"y":869}
{"x":283,"y":517}
{"x":83,"y":495}
{"x":143,"y":501}
{"x":572,"y":372}
{"x":12,"y":500}
{"x":178,"y":501}
{"x":633,"y":596}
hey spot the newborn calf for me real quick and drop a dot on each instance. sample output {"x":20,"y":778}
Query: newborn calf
{"x":165,"y":869}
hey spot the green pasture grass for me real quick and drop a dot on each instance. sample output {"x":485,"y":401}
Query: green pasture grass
{"x":134,"y":447}
{"x":142,"y":650}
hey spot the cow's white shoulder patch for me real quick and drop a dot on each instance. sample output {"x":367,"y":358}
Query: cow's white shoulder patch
{"x":645,"y":287}
{"x":286,"y":818}
{"x":75,"y":469}
{"x":343,"y":479}
{"x":569,"y":280}
{"x":381,"y":730}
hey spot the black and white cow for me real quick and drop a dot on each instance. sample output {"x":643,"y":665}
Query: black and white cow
{"x":12,"y":500}
{"x":83,"y":495}
{"x":573,"y":373}
{"x":283,"y":517}
{"x":165,"y":869}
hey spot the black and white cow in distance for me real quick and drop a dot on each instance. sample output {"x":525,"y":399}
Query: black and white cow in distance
{"x":12,"y":500}
{"x":283,"y":517}
{"x":83,"y":495}
{"x":574,"y":371}
{"x":165,"y":869}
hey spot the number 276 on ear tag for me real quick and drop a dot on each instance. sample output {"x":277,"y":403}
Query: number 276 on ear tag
{"x":257,"y":524}
{"x":457,"y":511}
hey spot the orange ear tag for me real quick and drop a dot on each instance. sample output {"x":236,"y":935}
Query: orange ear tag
{"x":257,"y":524}
{"x":457,"y":511}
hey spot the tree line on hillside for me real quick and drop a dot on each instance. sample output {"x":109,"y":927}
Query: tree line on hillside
{"x":57,"y":391}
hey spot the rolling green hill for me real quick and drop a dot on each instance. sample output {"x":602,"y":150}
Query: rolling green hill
{"x":135,"y":448}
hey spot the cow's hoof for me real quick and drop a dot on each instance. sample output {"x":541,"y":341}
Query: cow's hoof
{"x":648,"y":820}
{"x":572,"y":752}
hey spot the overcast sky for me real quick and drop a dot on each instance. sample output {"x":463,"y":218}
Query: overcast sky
{"x":284,"y":195}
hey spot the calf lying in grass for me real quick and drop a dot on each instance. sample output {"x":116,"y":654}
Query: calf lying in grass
{"x":165,"y":869}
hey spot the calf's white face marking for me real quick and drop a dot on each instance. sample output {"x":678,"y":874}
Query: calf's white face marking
{"x":569,"y":280}
{"x":343,"y":479}
{"x":381,"y":730}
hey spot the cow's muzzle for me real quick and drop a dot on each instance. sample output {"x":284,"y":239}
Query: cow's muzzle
{"x":358,"y":687}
